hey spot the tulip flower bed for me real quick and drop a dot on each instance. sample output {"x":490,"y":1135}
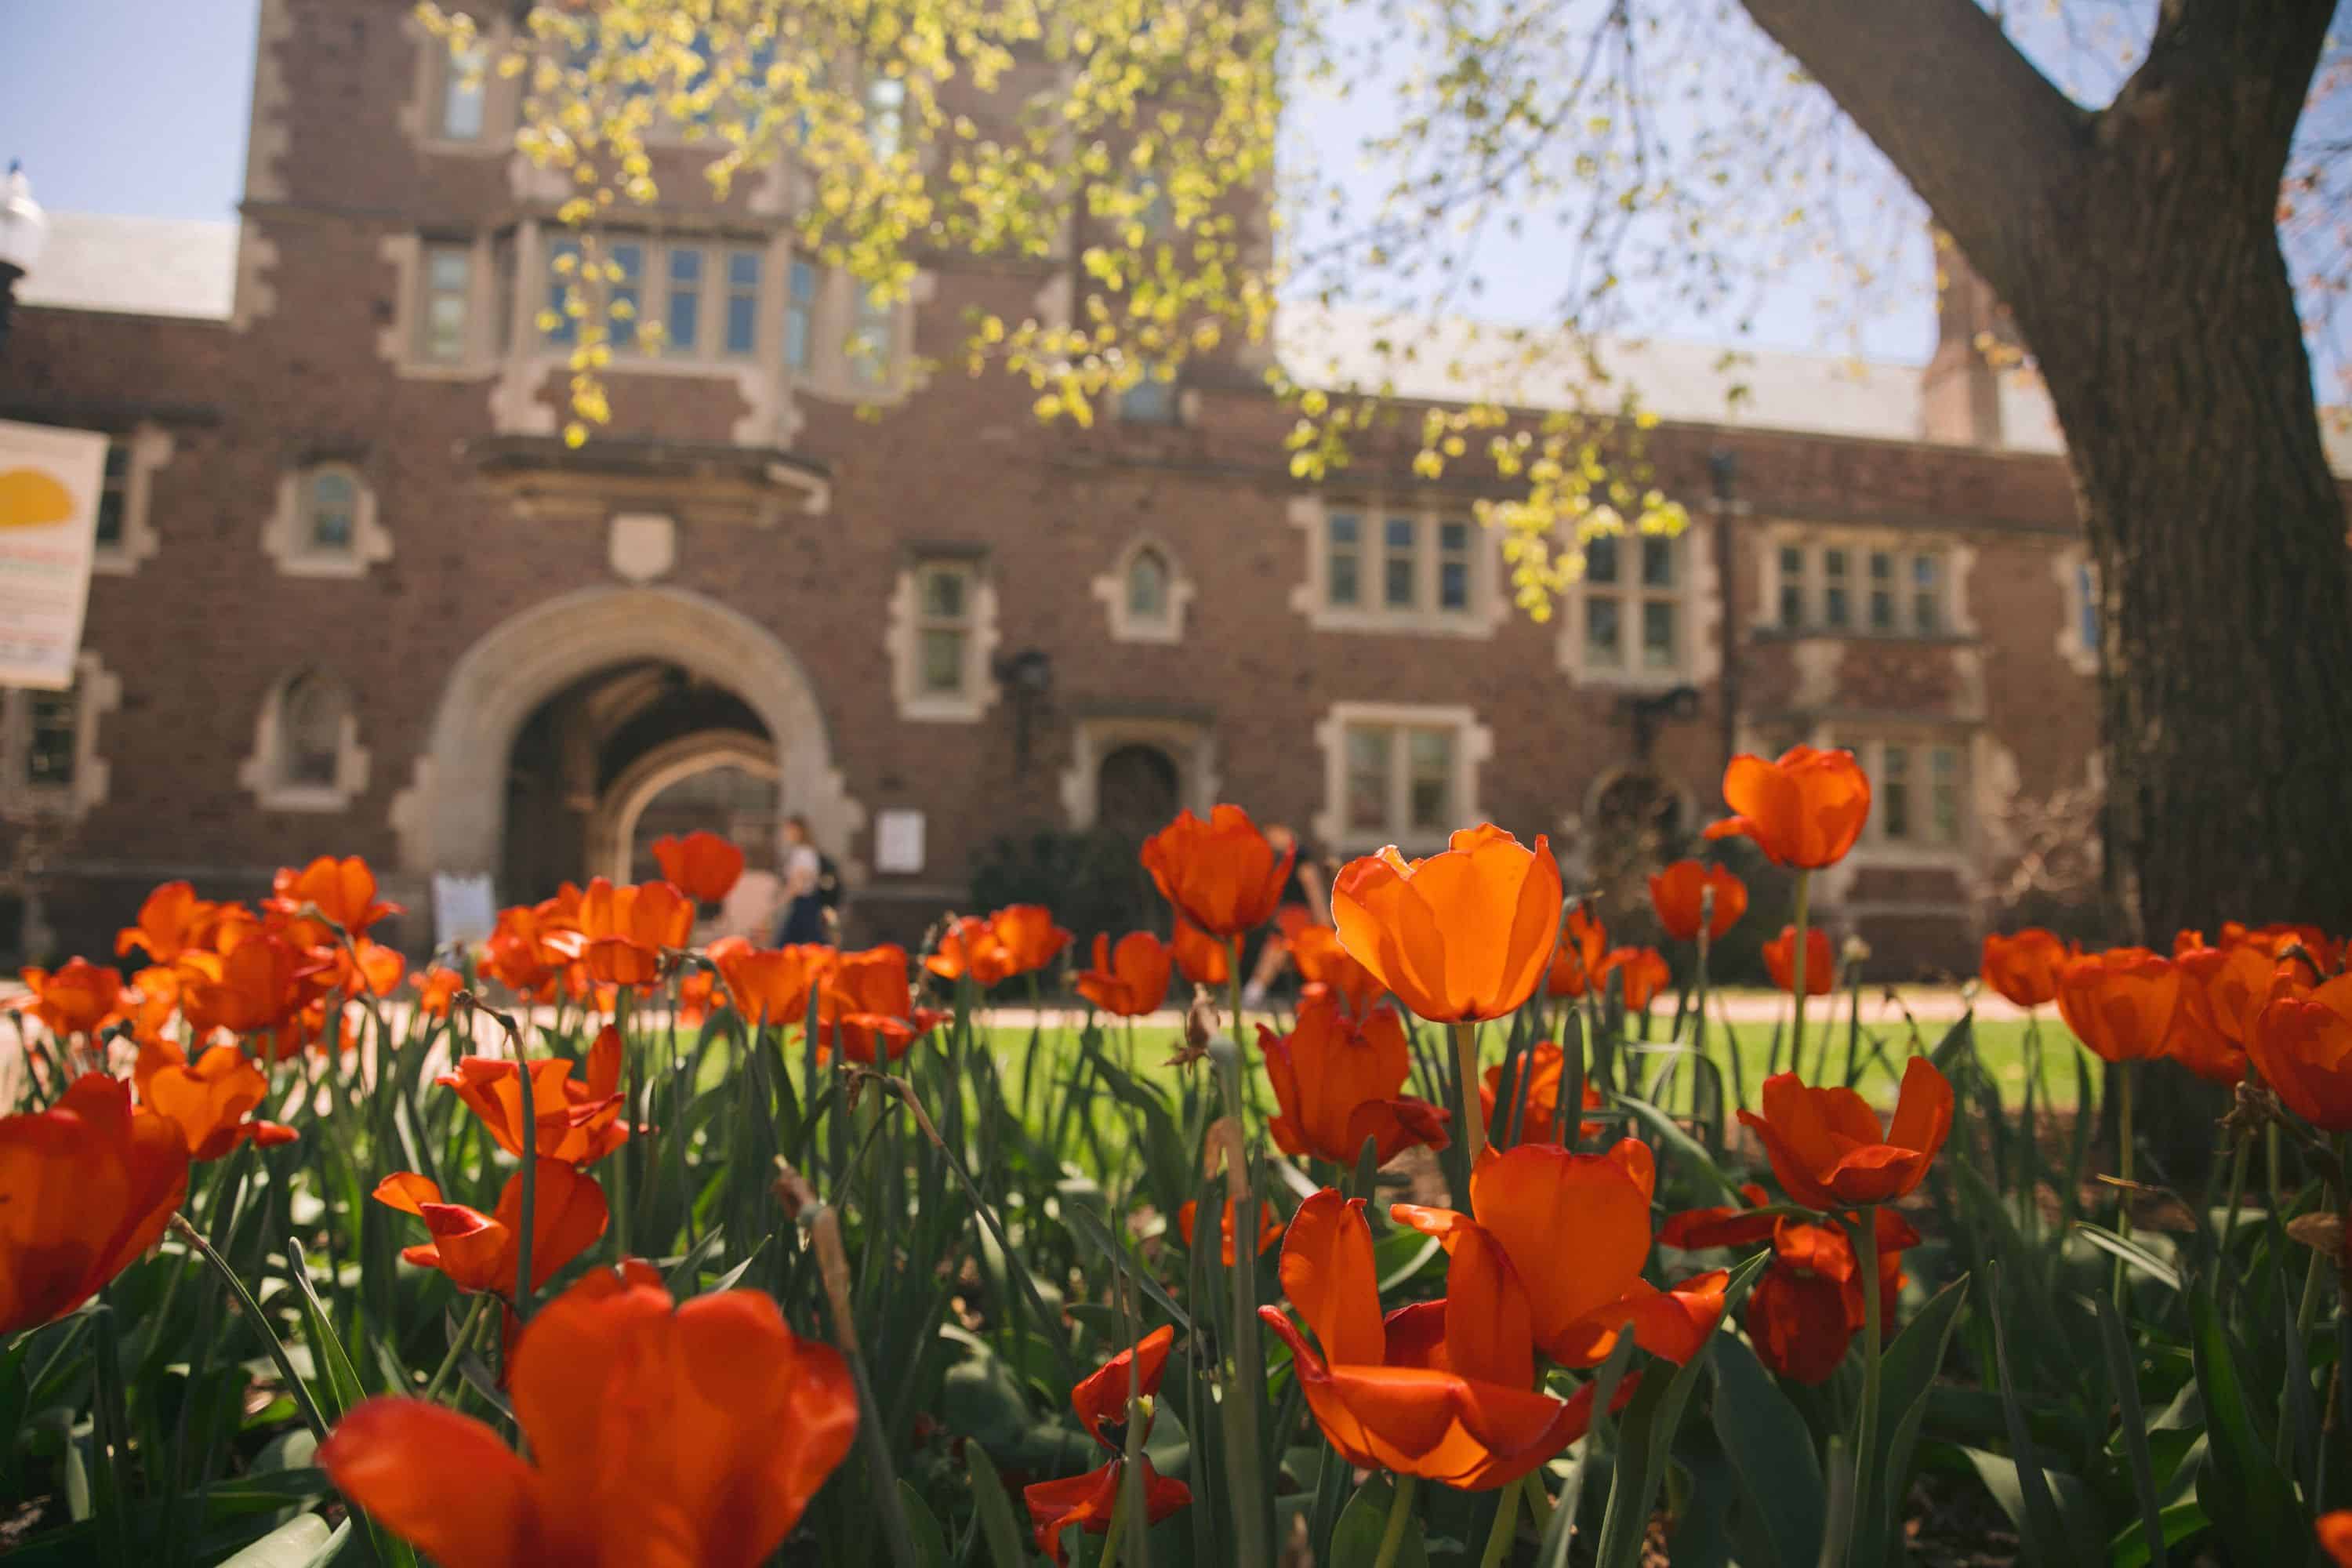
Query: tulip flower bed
{"x":593,"y":1247}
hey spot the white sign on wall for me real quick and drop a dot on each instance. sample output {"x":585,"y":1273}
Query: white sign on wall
{"x":898,"y":841}
{"x":51,"y":479}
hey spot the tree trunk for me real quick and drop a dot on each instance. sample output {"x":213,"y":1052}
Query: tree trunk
{"x":2137,"y":248}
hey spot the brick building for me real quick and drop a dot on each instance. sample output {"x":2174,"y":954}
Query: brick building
{"x":354,"y":593}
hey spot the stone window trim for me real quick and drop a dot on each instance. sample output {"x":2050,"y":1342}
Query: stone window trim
{"x":2078,"y":588}
{"x":1111,"y":588}
{"x":902,"y":637}
{"x":1921,"y":848}
{"x":655,"y":282}
{"x":1189,"y":744}
{"x":97,"y":692}
{"x":1474,"y":745}
{"x":285,"y":534}
{"x":400,"y":343}
{"x":150,"y":449}
{"x":1955,"y":557}
{"x":263,"y":772}
{"x":1698,"y":617}
{"x":437,"y":72}
{"x":1311,"y":597}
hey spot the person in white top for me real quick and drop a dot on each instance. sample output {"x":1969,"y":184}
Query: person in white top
{"x":803,"y":910}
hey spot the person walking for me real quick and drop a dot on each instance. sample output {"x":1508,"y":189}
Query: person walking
{"x":806,"y":879}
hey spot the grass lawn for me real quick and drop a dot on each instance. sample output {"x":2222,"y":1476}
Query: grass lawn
{"x":2000,"y":1042}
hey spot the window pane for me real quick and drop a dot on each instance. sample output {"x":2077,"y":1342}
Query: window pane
{"x":1792,"y":562}
{"x":943,"y":594}
{"x":942,"y":659}
{"x":625,"y":292}
{"x":1453,"y":584}
{"x":447,"y":274}
{"x":800,"y":310}
{"x":1881,"y":610}
{"x":869,"y":340}
{"x":562,"y":280}
{"x":1944,"y":785}
{"x":885,"y":114}
{"x":1147,"y":585}
{"x":685,"y":323}
{"x":1658,"y":651}
{"x":1657,"y":562}
{"x":1601,"y":560}
{"x":1604,"y":632}
{"x":50,"y":743}
{"x":462,"y":92}
{"x":1836,"y":608}
{"x":113,"y":493}
{"x":743,"y":271}
{"x":1368,"y":779}
{"x":1342,"y":575}
{"x":2087,"y":594}
{"x":1151,"y":401}
{"x":1429,"y":753}
{"x":1399,"y":564}
{"x":1792,"y":603}
{"x":311,"y":731}
{"x":333,"y":499}
{"x":1895,"y":792}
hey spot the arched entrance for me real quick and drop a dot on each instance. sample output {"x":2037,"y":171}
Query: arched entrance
{"x":1135,"y":790}
{"x":680,"y":667}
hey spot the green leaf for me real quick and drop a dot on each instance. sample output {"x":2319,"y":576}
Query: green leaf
{"x":2241,"y":1487}
{"x":2072,"y":1511}
{"x":1772,"y":1450}
{"x":2124,"y":1384}
{"x":1647,"y":1433}
{"x":1905,"y":1376}
{"x":1357,"y":1537}
{"x":931,"y":1541}
{"x":2035,"y":1514}
{"x":1007,"y":1540}
{"x":2131,"y":1251}
{"x":294,"y":1544}
{"x":1665,"y":1131}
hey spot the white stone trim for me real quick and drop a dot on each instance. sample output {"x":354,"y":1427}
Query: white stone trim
{"x":1111,"y":589}
{"x":285,"y":537}
{"x":902,"y":642}
{"x":1957,"y":614}
{"x":1487,"y":610}
{"x":1187,"y":743}
{"x":1473,"y":744}
{"x":263,"y":771}
{"x":2068,"y":566}
{"x":1697,"y":598}
{"x":396,"y":342}
{"x":420,"y":113}
{"x":97,"y":692}
{"x":151,"y":447}
{"x":613,"y":829}
{"x":452,"y":816}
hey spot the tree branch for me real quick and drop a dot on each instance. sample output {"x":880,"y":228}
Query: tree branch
{"x":1978,"y":131}
{"x":2202,"y":63}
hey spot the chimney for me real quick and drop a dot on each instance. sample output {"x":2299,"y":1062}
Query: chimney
{"x":1960,"y":392}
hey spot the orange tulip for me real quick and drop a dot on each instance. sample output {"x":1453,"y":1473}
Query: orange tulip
{"x":1805,"y":810}
{"x":865,"y":1008}
{"x":1692,"y":1230}
{"x":436,"y":990}
{"x":1028,"y":936}
{"x":687,"y":1436}
{"x":1101,"y":1401}
{"x":1269,"y":1227}
{"x":2336,"y":1536}
{"x":1223,"y":874}
{"x":90,"y":1184}
{"x":343,"y":890}
{"x":1445,"y":1390}
{"x":365,"y":968}
{"x":264,"y":984}
{"x":170,"y":922}
{"x":622,"y":931}
{"x":1677,"y":893}
{"x":1203,"y":959}
{"x":1583,"y":948}
{"x":1575,"y":1231}
{"x":159,"y":1001}
{"x":704,"y":866}
{"x":483,"y":1252}
{"x":1808,"y":1305}
{"x":1013,"y":941}
{"x":1826,"y":1147}
{"x":78,"y":998}
{"x":772,"y":985}
{"x":1539,"y":1120}
{"x":1820,"y":963}
{"x":2302,"y":1045}
{"x":2222,"y":991}
{"x":209,"y":1101}
{"x":1641,"y":972}
{"x":1130,"y":979}
{"x":2023,"y":967}
{"x":2279,"y":939}
{"x":522,"y":955}
{"x":2121,"y":1003}
{"x":1462,"y":935}
{"x":1323,"y":962}
{"x":578,"y":1123}
{"x":1337,"y":1079}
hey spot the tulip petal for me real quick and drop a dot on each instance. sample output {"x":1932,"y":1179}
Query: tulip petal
{"x":1328,"y":1272}
{"x":440,"y":1480}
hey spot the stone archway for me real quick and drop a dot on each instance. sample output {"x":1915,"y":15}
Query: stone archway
{"x":612,"y":832}
{"x":452,"y":816}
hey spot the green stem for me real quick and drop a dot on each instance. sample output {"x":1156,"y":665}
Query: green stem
{"x":1539,"y":1504}
{"x":458,"y":1345}
{"x":2123,"y":1174}
{"x":2237,"y":1197}
{"x":526,"y":1219}
{"x":303,"y":1402}
{"x":1109,"y":1554}
{"x":1507,"y":1527}
{"x":1873,"y":1353}
{"x":1400,"y":1514}
{"x":628,"y":1150}
{"x":1245,"y":1461}
{"x":1797,"y":970}
{"x":2306,"y":1312}
{"x":1473,"y":1113}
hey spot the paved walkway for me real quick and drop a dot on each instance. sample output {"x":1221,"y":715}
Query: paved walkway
{"x":1927,"y":1004}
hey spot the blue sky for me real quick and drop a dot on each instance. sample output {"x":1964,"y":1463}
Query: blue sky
{"x":139,"y":107}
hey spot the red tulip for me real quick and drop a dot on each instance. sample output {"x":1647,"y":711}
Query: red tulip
{"x":2120,"y":1002}
{"x":483,"y":1252}
{"x":1821,"y":964}
{"x":85,"y":1187}
{"x":1101,"y":1403}
{"x":2024,"y":967}
{"x":1826,"y":1147}
{"x":1805,"y":810}
{"x":704,"y":866}
{"x":1223,"y":874}
{"x":1462,"y":935}
{"x":1337,"y":1082}
{"x":1678,"y":892}
{"x":1131,"y":980}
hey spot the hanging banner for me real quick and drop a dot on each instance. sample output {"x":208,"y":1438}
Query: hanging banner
{"x":51,"y":482}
